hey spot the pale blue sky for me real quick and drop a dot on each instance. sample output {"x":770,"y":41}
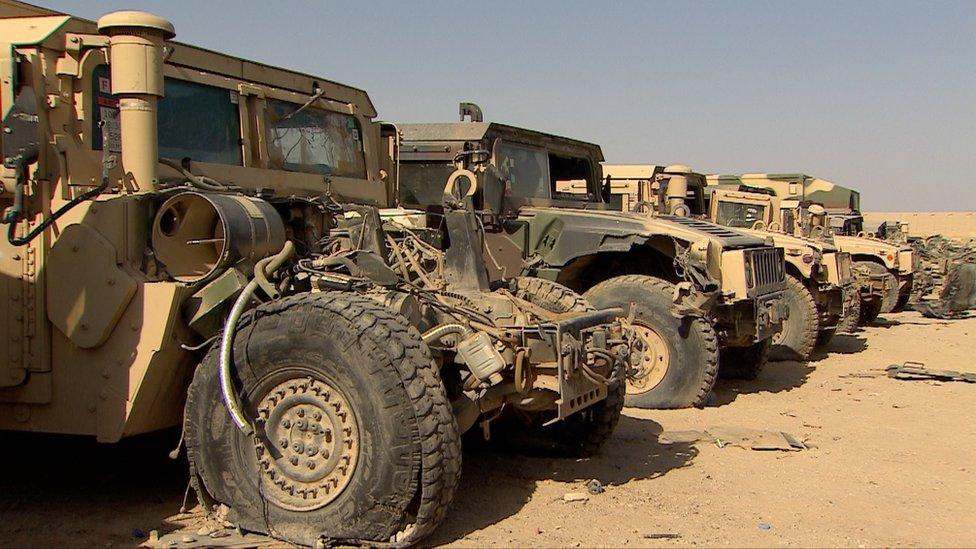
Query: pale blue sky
{"x":880,"y":96}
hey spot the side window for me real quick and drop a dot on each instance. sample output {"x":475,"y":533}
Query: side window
{"x":422,"y":183}
{"x":526,"y":169}
{"x":195,"y":121}
{"x":569,"y":175}
{"x":199,"y":122}
{"x":735,"y":214}
{"x":314,"y":141}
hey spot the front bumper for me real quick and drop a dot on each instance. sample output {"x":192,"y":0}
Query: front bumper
{"x":873,"y":286}
{"x":745,"y":322}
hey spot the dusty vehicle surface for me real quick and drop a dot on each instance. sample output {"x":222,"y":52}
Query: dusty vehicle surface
{"x":887,"y":267}
{"x":702,"y":294}
{"x":195,"y":239}
{"x":820,"y":287}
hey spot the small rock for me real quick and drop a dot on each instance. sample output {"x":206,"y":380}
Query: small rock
{"x":219,"y":533}
{"x":575,"y":496}
{"x":153,"y":536}
{"x":764,"y":526}
{"x":594,"y":487}
{"x":188,"y":539}
{"x":204,"y":531}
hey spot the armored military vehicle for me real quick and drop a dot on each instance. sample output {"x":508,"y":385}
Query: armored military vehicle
{"x":844,"y":222}
{"x":195,"y":239}
{"x":702,"y":294}
{"x":820,"y":286}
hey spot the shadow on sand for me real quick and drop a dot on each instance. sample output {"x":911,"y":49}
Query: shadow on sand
{"x":775,"y":377}
{"x":841,"y":344}
{"x":60,"y":490}
{"x":497,"y":483}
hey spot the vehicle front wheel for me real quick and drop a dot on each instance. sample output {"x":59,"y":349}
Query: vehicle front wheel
{"x":680,"y":358}
{"x":848,"y":323}
{"x":871,"y":310}
{"x":797,"y":338}
{"x":354,"y":436}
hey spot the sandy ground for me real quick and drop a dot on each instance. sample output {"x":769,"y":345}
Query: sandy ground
{"x":892,"y":465}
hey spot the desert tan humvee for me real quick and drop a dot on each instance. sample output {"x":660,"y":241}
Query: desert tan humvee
{"x":844,"y":222}
{"x":820,"y":292}
{"x":195,"y":239}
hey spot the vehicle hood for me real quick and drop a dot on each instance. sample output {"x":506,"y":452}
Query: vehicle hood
{"x":644,"y":225}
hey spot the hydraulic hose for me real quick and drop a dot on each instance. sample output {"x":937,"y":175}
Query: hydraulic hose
{"x":262,"y":269}
{"x":435,"y":334}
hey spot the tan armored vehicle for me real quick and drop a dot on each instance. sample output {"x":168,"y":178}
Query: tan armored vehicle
{"x":703,"y":294}
{"x":194,"y":239}
{"x":820,"y":286}
{"x":873,"y":257}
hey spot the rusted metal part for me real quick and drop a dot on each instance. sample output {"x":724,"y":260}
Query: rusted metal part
{"x":917,"y":371}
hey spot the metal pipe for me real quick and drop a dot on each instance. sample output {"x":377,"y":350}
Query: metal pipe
{"x":136,"y":62}
{"x":435,"y":334}
{"x":265,"y":267}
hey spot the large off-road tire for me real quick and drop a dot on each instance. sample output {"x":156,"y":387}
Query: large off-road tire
{"x":583,"y":433}
{"x":355,"y":437}
{"x":890,"y":299}
{"x":852,"y":316}
{"x":744,"y":362}
{"x":798,"y":336}
{"x":681,"y":362}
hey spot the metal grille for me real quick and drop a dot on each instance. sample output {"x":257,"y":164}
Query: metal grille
{"x":767,"y":266}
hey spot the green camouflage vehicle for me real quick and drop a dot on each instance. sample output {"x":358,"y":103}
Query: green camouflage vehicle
{"x":873,"y":257}
{"x":821,"y":293}
{"x":703,"y":294}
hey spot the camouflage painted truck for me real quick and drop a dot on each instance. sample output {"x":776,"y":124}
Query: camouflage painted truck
{"x":703,"y":294}
{"x":820,"y":293}
{"x":889,"y":268}
{"x":195,"y":239}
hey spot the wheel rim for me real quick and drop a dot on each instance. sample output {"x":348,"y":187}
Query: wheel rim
{"x":653,"y":362}
{"x":311,"y":443}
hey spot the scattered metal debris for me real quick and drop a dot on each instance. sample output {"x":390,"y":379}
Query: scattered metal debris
{"x":917,"y":371}
{"x":575,"y":496}
{"x":662,"y":535}
{"x":753,"y":439}
{"x":226,"y":538}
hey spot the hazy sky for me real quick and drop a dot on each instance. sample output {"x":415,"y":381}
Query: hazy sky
{"x":880,"y":96}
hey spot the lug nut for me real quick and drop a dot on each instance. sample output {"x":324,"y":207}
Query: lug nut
{"x":286,"y":424}
{"x":294,"y":460}
{"x":311,"y":464}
